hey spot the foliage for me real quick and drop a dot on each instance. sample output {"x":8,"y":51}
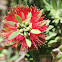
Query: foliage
{"x":54,"y":30}
{"x":59,"y":56}
{"x":55,"y":8}
{"x":9,"y":52}
{"x":53,"y":11}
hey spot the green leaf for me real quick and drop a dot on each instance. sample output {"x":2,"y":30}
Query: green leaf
{"x":53,"y":12}
{"x":43,"y":23}
{"x":29,"y":17}
{"x":59,"y":3}
{"x":27,"y":55}
{"x":57,"y":38}
{"x":51,"y":34}
{"x":1,"y":55}
{"x":31,"y":59}
{"x":1,"y":39}
{"x":25,"y":1}
{"x":22,"y":15}
{"x":26,"y":59}
{"x":59,"y":56}
{"x":48,"y":8}
{"x":28,"y":42}
{"x":4,"y":51}
{"x":47,"y":4}
{"x":54,"y":4}
{"x":16,"y":1}
{"x":41,"y":11}
{"x":13,"y":35}
{"x":52,"y":41}
{"x":18,"y":18}
{"x":35,"y":31}
{"x":50,"y":27}
{"x":14,"y":57}
{"x":9,"y":53}
{"x":60,"y":48}
{"x":60,"y":60}
{"x":48,"y":21}
{"x":11,"y":23}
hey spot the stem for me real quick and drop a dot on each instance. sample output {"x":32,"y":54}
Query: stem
{"x":22,"y":53}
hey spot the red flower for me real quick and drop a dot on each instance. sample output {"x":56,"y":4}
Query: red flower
{"x":25,"y":26}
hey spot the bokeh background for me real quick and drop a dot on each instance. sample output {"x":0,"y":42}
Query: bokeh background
{"x":52,"y":51}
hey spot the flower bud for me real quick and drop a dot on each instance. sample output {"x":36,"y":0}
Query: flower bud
{"x":21,"y":30}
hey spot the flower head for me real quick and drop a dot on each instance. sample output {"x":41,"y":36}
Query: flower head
{"x":25,"y":26}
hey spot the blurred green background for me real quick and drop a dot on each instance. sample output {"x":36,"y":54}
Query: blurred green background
{"x":52,"y":51}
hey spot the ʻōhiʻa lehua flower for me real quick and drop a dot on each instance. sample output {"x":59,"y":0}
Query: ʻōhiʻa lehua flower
{"x":25,"y":26}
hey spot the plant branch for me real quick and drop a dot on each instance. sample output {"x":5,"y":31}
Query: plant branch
{"x":22,"y":53}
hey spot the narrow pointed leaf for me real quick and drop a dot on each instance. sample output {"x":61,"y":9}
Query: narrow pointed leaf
{"x":29,"y":17}
{"x":18,"y":18}
{"x":9,"y":53}
{"x":41,"y":11}
{"x":31,"y":59}
{"x":27,"y":55}
{"x":13,"y":35}
{"x":14,"y":57}
{"x":28,"y":42}
{"x":46,"y":3}
{"x":59,"y":4}
{"x":54,"y":4}
{"x":52,"y":41}
{"x":22,"y":15}
{"x":39,"y":15}
{"x":43,"y":23}
{"x":50,"y":27}
{"x":11,"y":23}
{"x":35,"y":31}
